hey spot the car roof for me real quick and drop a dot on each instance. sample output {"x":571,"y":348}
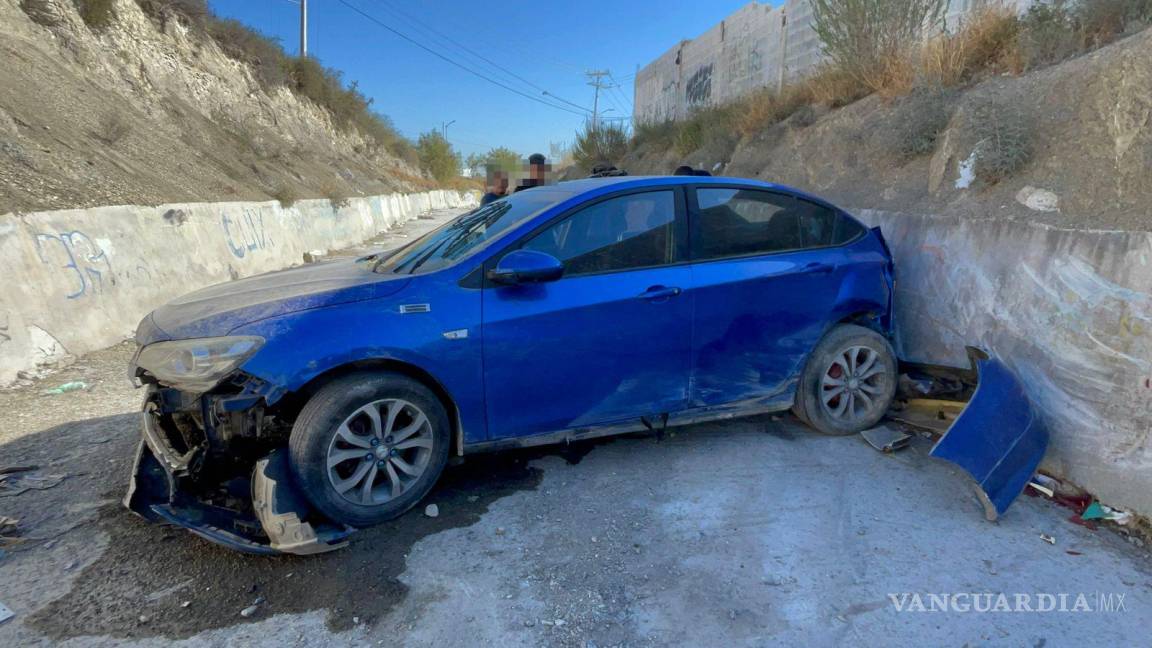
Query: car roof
{"x":596,"y":186}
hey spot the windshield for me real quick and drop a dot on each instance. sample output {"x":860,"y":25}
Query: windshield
{"x":443,"y":246}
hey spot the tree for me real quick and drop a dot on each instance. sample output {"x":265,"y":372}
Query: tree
{"x":437,"y":156}
{"x":863,"y":36}
{"x":605,"y":143}
{"x":503,"y":158}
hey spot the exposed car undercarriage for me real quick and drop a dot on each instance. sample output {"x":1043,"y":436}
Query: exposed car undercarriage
{"x":215,"y":464}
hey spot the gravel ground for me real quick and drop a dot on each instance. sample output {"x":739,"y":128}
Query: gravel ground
{"x":748,"y":532}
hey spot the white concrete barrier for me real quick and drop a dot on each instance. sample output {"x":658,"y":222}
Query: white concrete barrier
{"x":79,"y":280}
{"x":1070,"y":311}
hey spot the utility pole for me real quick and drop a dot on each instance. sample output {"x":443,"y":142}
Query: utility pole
{"x":783,"y":52}
{"x":444,"y":128}
{"x":303,"y":28}
{"x":596,"y":80}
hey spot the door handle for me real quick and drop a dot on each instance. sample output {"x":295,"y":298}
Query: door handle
{"x":659,"y":292}
{"x":817,"y":268}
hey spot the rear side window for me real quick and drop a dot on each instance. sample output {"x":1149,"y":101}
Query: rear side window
{"x":742,"y":222}
{"x":633,"y":231}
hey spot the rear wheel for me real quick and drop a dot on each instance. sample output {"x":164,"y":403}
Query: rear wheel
{"x":368,"y":447}
{"x":848,"y":382}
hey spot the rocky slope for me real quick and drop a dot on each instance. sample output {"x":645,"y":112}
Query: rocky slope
{"x":135,"y":114}
{"x":1087,"y":125}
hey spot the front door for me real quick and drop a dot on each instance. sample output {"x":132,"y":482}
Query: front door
{"x":607,"y":343}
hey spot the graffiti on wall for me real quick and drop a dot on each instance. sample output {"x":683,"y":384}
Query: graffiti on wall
{"x":80,"y":257}
{"x":246,"y":233}
{"x":698,"y":90}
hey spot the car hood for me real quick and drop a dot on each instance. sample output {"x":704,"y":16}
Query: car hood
{"x":219,"y":309}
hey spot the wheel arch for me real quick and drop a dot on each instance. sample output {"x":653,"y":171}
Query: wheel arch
{"x":293,"y":401}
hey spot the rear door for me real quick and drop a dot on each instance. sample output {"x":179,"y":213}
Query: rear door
{"x":610,"y":341}
{"x":766,"y":276}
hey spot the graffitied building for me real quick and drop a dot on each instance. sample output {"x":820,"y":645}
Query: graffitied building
{"x":759,"y":45}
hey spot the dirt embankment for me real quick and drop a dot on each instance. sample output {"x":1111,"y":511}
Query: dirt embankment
{"x":1086,"y":128}
{"x":136,"y":114}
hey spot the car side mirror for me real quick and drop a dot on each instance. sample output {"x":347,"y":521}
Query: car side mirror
{"x":526,"y":267}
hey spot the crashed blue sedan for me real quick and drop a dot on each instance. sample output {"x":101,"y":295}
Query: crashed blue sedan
{"x":285,"y":410}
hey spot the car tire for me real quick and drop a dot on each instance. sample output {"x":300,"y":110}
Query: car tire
{"x":848,"y":382}
{"x":338,"y":445}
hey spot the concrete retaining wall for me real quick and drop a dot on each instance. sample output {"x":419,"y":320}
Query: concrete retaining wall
{"x":1069,"y":310}
{"x":79,"y":280}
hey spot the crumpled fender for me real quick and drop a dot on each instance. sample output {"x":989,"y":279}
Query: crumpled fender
{"x":999,"y":438}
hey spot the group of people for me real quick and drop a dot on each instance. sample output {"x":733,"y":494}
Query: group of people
{"x":499,"y":180}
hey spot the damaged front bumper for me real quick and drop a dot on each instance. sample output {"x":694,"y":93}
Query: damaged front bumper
{"x":255,"y":510}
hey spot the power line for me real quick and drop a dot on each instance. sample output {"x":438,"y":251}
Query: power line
{"x":444,"y":58}
{"x":469,"y":50}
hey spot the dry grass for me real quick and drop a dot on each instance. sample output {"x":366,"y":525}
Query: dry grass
{"x":97,"y":14}
{"x":988,"y":43}
{"x":285,"y":194}
{"x":336,"y":194}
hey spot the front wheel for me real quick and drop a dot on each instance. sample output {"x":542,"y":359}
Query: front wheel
{"x":848,"y":382}
{"x":367,"y":447}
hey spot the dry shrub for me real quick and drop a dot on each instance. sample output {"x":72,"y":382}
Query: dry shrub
{"x":605,"y":144}
{"x":832,"y":86}
{"x":285,"y":194}
{"x":336,"y":194}
{"x":112,"y":129}
{"x":915,"y":124}
{"x":987,"y":42}
{"x":97,"y":14}
{"x":1004,"y":138}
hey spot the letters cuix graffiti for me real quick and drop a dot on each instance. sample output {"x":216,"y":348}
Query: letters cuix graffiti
{"x":246,"y":233}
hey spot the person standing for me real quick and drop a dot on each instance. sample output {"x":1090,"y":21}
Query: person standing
{"x":537,"y":172}
{"x":497,"y":185}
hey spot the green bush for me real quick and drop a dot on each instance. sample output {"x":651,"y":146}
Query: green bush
{"x":437,"y":156}
{"x":1004,"y":140}
{"x":605,"y":144}
{"x":1048,"y":34}
{"x":97,"y":14}
{"x":658,"y":133}
{"x":194,"y":13}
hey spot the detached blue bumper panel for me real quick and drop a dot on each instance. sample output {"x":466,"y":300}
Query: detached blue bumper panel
{"x":998,"y":438}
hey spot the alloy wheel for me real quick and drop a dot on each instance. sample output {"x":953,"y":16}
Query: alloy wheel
{"x":379,"y":452}
{"x":852,"y":385}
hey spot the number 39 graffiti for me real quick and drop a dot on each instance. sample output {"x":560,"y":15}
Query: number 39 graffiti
{"x":79,"y":255}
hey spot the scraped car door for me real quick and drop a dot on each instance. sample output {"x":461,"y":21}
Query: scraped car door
{"x":609,"y":342}
{"x":767,"y":271}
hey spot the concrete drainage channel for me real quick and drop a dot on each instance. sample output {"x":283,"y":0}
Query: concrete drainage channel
{"x":753,"y":530}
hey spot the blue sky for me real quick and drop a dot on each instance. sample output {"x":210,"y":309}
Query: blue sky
{"x":548,"y":43}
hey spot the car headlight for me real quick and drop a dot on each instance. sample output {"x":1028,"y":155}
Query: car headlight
{"x":197,"y":365}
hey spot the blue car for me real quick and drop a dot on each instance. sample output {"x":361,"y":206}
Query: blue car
{"x":285,"y":410}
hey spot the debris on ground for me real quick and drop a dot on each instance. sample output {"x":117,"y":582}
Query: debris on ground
{"x":5,"y":613}
{"x":75,"y":385}
{"x":9,"y":530}
{"x":1042,"y":489}
{"x":886,"y":438}
{"x":432,"y":510}
{"x":1047,"y":538}
{"x":254,"y":608}
{"x":998,"y":438}
{"x":929,"y":413}
{"x":1098,"y":511}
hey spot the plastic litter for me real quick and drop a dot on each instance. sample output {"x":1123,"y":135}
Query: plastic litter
{"x":5,"y":613}
{"x":1047,"y":538}
{"x":886,"y":439}
{"x":76,"y":385}
{"x":1098,"y":511}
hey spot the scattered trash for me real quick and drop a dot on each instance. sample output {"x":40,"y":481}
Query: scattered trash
{"x":1047,"y":538}
{"x":1043,"y":489}
{"x":76,"y":385}
{"x":143,"y":618}
{"x":500,"y":531}
{"x":249,"y":611}
{"x":929,"y":413}
{"x":998,"y":438}
{"x":432,"y":510}
{"x":185,"y":604}
{"x":886,"y":439}
{"x":529,"y":623}
{"x":1073,"y":553}
{"x":5,"y":613}
{"x":1098,"y":511}
{"x":70,"y":565}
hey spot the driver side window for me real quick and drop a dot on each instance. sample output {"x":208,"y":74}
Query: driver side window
{"x":633,"y":231}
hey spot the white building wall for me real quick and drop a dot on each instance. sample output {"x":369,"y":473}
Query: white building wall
{"x":742,"y":53}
